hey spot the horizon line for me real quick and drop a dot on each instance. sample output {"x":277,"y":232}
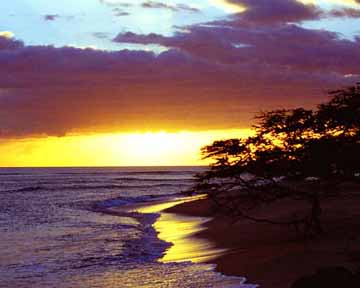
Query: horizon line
{"x":109,"y":166}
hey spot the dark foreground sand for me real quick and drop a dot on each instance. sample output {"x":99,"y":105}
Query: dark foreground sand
{"x":273,"y":256}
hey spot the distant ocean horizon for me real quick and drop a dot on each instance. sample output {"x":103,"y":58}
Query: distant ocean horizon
{"x":55,"y":232}
{"x":105,"y":166}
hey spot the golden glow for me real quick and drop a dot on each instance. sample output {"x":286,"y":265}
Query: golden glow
{"x":6,"y":34}
{"x":160,"y":206}
{"x":123,"y":149}
{"x":227,"y":6}
{"x":180,"y":230}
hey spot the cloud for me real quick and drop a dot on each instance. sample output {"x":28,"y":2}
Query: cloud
{"x":268,"y":12}
{"x":101,"y":35}
{"x":213,"y":75}
{"x":118,"y":12}
{"x":7,"y":42}
{"x":161,"y":5}
{"x":289,"y":46}
{"x":275,"y":12}
{"x":55,"y":91}
{"x":6,"y":34}
{"x":117,"y":3}
{"x":117,"y":7}
{"x":264,"y":34}
{"x":51,"y":17}
{"x":345,"y":12}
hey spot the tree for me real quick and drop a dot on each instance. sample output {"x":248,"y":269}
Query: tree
{"x":296,"y":154}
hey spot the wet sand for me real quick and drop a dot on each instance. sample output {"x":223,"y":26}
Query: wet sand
{"x":273,"y":256}
{"x":180,"y":230}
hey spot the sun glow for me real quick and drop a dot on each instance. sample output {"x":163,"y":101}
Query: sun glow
{"x":6,"y":34}
{"x":123,"y":149}
{"x":227,"y":6}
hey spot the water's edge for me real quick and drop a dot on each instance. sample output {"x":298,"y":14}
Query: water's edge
{"x":152,"y":215}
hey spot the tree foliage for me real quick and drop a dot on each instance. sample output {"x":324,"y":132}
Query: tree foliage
{"x":298,"y":154}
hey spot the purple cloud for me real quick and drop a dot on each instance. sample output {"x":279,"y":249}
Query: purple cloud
{"x":7,"y":43}
{"x":269,"y":12}
{"x":213,"y":75}
{"x":289,"y":46}
{"x":345,"y":12}
{"x":51,"y":17}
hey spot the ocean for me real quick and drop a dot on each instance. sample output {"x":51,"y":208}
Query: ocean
{"x":55,"y":230}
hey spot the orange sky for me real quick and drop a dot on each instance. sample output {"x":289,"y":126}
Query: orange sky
{"x":122,"y":149}
{"x":84,"y":85}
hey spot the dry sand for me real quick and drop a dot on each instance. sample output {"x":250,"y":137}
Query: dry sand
{"x":273,"y":256}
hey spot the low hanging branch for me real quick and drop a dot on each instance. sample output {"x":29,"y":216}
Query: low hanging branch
{"x":295,"y":154}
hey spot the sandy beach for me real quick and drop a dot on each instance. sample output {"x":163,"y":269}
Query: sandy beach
{"x":272,"y":256}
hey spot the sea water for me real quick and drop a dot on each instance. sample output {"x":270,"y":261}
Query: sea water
{"x":56,"y":231}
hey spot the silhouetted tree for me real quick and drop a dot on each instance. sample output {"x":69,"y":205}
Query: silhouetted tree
{"x":294,"y":154}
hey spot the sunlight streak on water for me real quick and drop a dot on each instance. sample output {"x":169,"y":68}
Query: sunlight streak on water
{"x":180,"y":231}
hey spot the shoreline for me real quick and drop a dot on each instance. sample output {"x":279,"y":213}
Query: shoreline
{"x":180,"y":231}
{"x":269,"y":255}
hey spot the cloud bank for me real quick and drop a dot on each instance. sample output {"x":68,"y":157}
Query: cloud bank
{"x":213,"y":76}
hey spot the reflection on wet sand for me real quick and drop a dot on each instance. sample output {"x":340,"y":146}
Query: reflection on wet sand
{"x":180,"y":231}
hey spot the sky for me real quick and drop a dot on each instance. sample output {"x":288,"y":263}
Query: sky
{"x":121,"y":83}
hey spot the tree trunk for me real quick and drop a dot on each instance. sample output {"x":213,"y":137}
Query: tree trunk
{"x":313,"y":225}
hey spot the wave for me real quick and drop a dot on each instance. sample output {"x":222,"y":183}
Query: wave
{"x":148,"y":249}
{"x":119,"y":201}
{"x":88,"y":187}
{"x":159,"y":172}
{"x":25,"y":189}
{"x":10,"y":174}
{"x":116,"y":186}
{"x":154,"y":179}
{"x":134,"y":172}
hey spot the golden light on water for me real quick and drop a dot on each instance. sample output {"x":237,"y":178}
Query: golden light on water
{"x":180,"y":230}
{"x":122,"y":149}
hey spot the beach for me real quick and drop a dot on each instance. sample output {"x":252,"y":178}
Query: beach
{"x":75,"y":227}
{"x":273,"y":256}
{"x":132,"y":227}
